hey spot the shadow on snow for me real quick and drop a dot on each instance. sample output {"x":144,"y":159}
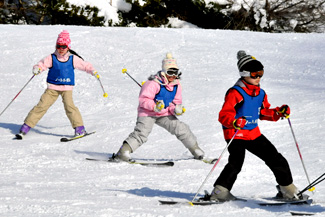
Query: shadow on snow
{"x":14,"y":129}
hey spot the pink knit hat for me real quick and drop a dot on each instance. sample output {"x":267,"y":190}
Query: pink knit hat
{"x":64,"y":39}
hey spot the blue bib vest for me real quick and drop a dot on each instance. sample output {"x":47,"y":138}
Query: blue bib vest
{"x":250,"y":108}
{"x":61,"y":73}
{"x":166,"y":95}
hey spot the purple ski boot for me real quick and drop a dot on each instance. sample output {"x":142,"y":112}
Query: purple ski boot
{"x":23,"y":131}
{"x":79,"y":131}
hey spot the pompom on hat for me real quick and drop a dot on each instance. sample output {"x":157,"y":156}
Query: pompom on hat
{"x":169,"y":62}
{"x":247,"y":64}
{"x":64,"y":38}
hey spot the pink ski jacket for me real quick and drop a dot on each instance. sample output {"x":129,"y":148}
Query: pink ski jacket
{"x":148,"y":92}
{"x":78,"y":63}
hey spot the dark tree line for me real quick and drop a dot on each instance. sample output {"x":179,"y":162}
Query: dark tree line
{"x":256,"y":15}
{"x":48,"y":12}
{"x":267,"y":15}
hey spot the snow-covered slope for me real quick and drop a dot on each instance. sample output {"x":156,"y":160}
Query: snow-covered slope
{"x":42,"y":177}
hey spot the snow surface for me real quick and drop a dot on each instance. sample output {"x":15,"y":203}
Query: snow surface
{"x":42,"y":177}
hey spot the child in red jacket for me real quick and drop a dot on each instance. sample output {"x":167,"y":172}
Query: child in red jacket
{"x":244,"y":104}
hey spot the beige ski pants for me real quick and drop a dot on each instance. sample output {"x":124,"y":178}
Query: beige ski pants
{"x":47,"y":100}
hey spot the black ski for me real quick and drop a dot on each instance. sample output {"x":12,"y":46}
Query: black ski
{"x":195,"y":202}
{"x":273,"y":202}
{"x":66,"y":139}
{"x":143,"y":163}
{"x":302,"y":213}
{"x":201,"y":203}
{"x":281,"y":202}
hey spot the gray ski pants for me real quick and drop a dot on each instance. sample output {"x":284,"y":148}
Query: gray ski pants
{"x":144,"y":126}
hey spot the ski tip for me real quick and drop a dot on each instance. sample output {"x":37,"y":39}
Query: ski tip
{"x":167,"y":202}
{"x":18,"y":137}
{"x":92,"y":159}
{"x":301,"y":213}
{"x":64,"y":140}
{"x":210,"y":160}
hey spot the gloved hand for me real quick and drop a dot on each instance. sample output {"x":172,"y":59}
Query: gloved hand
{"x":36,"y":70}
{"x":284,"y":111}
{"x":159,"y":106}
{"x":179,"y":109}
{"x":239,"y":123}
{"x":95,"y":73}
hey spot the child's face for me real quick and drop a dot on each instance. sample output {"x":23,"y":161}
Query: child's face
{"x":170,"y":78}
{"x":62,"y":49}
{"x":255,"y":77}
{"x":253,"y":81}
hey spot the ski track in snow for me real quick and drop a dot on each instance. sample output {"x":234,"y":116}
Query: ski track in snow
{"x":42,"y":177}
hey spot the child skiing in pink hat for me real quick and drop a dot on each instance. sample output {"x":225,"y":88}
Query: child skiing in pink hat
{"x":60,"y":82}
{"x":160,"y":102}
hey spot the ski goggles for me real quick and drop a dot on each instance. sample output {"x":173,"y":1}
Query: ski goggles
{"x":172,"y":72}
{"x":257,"y":74}
{"x":59,"y":46}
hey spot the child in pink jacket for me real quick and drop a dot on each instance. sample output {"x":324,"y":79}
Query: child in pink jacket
{"x":60,"y":81}
{"x":160,"y":101}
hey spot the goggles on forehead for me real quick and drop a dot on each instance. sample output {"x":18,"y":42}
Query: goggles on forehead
{"x":172,"y":72}
{"x":58,"y":46}
{"x":257,"y":74}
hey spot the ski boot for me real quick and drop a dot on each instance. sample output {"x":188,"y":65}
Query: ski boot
{"x":23,"y":131}
{"x":80,"y":131}
{"x":221,"y":194}
{"x":124,"y":153}
{"x":289,"y":192}
{"x":197,"y":152}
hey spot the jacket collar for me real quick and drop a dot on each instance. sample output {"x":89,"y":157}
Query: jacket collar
{"x":250,"y":89}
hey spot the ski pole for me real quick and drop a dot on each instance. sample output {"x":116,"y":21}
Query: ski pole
{"x":105,"y":94}
{"x":224,"y":150}
{"x":315,"y":182}
{"x":98,"y":77}
{"x":17,"y":95}
{"x":125,"y":71}
{"x":302,"y":161}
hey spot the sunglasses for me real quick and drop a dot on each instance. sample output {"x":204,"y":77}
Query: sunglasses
{"x":257,"y":74}
{"x":172,"y":72}
{"x":58,"y":46}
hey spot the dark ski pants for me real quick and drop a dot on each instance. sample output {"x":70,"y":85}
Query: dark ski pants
{"x":262,"y":148}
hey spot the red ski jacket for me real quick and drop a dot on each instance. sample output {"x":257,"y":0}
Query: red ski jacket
{"x":233,"y":100}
